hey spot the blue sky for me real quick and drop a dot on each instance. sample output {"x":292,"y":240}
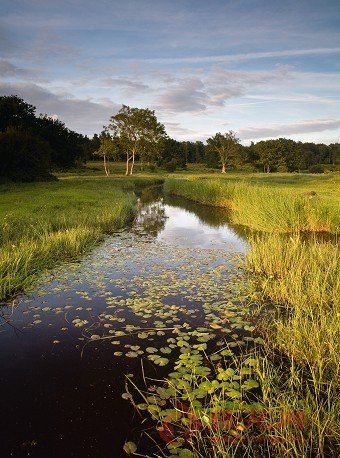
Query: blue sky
{"x":264,"y":69}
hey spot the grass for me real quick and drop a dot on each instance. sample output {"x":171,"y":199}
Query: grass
{"x":44,"y":223}
{"x":300,"y":369}
{"x":293,"y":271}
{"x":305,"y":279}
{"x":260,"y":207}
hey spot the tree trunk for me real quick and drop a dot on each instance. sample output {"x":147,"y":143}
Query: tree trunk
{"x":133,"y":162}
{"x":127,"y":164}
{"x":223,"y":167}
{"x":106,"y":167}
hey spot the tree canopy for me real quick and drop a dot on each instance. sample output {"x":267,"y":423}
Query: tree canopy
{"x":139,"y":134}
{"x":60,"y":147}
{"x":227,"y":147}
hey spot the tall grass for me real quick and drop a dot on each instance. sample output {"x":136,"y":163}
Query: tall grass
{"x":297,"y":272}
{"x":46,"y":223}
{"x":305,"y":277}
{"x":300,"y":370}
{"x":262,"y":208}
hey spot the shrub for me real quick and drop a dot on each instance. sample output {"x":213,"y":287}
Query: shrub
{"x":317,"y":168}
{"x":171,"y":166}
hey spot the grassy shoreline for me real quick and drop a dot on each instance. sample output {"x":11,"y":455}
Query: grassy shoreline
{"x":300,"y":369}
{"x":262,"y":208}
{"x":46,"y":223}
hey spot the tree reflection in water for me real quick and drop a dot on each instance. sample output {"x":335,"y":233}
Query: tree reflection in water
{"x":151,"y":211}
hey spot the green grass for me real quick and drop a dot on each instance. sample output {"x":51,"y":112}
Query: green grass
{"x":300,"y":370}
{"x":303,"y":343}
{"x":44,"y":223}
{"x":261,"y":207}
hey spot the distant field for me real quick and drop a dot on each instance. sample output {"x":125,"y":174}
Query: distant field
{"x":327,"y":186}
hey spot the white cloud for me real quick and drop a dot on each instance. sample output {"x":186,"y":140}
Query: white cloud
{"x":282,"y":130}
{"x":127,"y":85}
{"x":228,"y":58}
{"x":213,"y":88}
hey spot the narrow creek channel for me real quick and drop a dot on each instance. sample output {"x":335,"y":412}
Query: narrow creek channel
{"x":60,"y":382}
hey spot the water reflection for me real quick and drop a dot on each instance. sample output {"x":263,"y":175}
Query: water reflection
{"x":182,"y":222}
{"x":151,"y":217}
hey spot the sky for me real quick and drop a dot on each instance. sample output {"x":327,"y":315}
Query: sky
{"x":262,"y":68}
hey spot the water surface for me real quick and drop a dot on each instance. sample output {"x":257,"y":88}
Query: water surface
{"x":60,"y":390}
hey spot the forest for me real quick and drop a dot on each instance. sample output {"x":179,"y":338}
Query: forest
{"x":33,"y":146}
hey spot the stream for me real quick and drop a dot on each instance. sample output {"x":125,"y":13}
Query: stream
{"x":66,"y":347}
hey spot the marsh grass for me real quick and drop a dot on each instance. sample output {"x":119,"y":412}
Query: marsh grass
{"x":263,"y":208}
{"x":226,"y":423}
{"x":300,"y":370}
{"x":302,"y":274}
{"x":305,"y":278}
{"x":43,"y":224}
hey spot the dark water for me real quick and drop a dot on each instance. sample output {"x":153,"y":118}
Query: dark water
{"x":60,"y":390}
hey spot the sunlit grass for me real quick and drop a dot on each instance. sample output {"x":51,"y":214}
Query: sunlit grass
{"x":262,"y":208}
{"x":45,"y":223}
{"x":305,"y":278}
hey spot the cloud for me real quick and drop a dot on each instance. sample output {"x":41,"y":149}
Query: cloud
{"x":178,"y":131}
{"x":197,"y":94}
{"x":186,"y":95}
{"x":85,"y":116}
{"x":228,"y":58}
{"x":281,"y":130}
{"x":128,"y":85}
{"x":9,"y":69}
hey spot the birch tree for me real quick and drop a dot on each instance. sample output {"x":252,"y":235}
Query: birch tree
{"x":227,"y":147}
{"x":138,"y":133}
{"x":107,"y":150}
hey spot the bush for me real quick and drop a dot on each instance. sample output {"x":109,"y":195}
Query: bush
{"x":317,"y":168}
{"x":152,"y":167}
{"x":171,"y":166}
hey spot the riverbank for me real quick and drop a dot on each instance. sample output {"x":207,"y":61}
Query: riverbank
{"x":46,"y":223}
{"x":261,"y":206}
{"x":300,"y":369}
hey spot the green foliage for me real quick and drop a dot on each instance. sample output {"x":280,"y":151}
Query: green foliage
{"x":15,"y":113}
{"x":24,"y":157}
{"x":317,"y":168}
{"x":58,"y":146}
{"x":171,"y":166}
{"x":226,"y":146}
{"x":138,"y":133}
{"x":67,"y":146}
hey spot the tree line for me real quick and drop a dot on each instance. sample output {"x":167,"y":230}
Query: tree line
{"x":32,"y":146}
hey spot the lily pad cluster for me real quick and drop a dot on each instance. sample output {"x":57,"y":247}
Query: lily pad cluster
{"x":180,"y":308}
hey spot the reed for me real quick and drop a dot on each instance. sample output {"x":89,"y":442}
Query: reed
{"x":262,"y":208}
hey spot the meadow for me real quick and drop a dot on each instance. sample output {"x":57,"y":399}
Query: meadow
{"x":292,"y":264}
